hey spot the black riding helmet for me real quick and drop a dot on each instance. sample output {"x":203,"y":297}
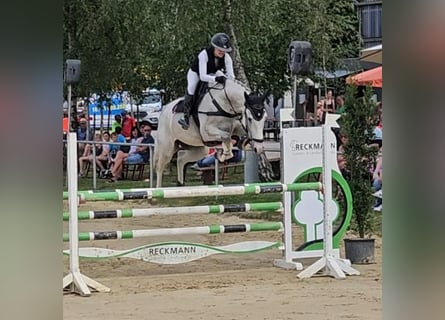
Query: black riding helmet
{"x":221,"y":41}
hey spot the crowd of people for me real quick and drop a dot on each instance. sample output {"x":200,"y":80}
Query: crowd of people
{"x":110,"y":152}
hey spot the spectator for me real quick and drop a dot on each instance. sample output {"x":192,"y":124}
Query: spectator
{"x":328,"y":106}
{"x":318,"y":113}
{"x":128,"y":123}
{"x":88,"y":154}
{"x":377,"y":183}
{"x":211,"y":158}
{"x":133,"y":156}
{"x":148,"y":139}
{"x":114,"y":148}
{"x":116,"y":123}
{"x":341,"y":161}
{"x":377,"y":139}
{"x":83,"y":134}
{"x":340,"y":102}
{"x":102,"y":158}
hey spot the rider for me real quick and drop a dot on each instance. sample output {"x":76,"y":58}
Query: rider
{"x":207,"y":63}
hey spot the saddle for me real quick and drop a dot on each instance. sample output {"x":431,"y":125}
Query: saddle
{"x":201,"y":90}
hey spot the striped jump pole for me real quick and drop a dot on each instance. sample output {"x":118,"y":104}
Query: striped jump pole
{"x":80,"y":192}
{"x":168,"y":193}
{"x":213,"y":229}
{"x":208,"y":209}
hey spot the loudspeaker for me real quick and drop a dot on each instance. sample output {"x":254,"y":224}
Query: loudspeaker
{"x":299,"y":58}
{"x":72,"y":73}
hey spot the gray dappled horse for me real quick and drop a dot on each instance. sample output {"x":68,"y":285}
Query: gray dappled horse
{"x":225,"y":110}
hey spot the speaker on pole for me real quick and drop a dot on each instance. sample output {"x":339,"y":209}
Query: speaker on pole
{"x":299,"y":58}
{"x":72,"y":72}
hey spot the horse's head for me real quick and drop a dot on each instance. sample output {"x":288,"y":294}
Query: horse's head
{"x":254,"y":118}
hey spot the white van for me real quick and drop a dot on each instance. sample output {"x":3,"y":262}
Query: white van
{"x":150,"y":108}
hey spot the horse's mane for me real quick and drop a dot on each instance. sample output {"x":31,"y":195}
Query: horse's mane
{"x":242,"y":85}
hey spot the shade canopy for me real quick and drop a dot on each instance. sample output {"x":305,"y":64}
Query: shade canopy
{"x":372,"y":77}
{"x":372,"y":54}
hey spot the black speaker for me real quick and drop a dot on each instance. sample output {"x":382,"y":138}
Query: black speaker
{"x":299,"y":58}
{"x":72,"y":73}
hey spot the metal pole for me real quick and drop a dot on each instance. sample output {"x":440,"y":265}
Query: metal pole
{"x":251,"y":167}
{"x":151,"y":165}
{"x":67,"y":134}
{"x":94,"y":164}
{"x":294,"y":100}
{"x":216,"y":171}
{"x":69,"y":109}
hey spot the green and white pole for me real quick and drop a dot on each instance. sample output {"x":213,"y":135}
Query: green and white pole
{"x":212,"y":229}
{"x":208,"y":209}
{"x":65,"y":193}
{"x":169,"y":193}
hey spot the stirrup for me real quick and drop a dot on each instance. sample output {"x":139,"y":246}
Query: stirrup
{"x":183,"y":124}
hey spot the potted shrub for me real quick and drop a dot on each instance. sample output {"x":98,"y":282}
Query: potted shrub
{"x":358,"y":122}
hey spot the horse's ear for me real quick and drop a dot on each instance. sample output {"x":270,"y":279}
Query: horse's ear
{"x":246,"y":96}
{"x":264,"y":96}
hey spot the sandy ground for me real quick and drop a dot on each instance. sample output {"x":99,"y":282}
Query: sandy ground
{"x":215,"y":287}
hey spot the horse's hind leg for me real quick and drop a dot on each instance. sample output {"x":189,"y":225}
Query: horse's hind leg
{"x":186,"y":156}
{"x":162,"y":160}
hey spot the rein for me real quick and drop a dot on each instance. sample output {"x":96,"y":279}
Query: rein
{"x":220,"y":111}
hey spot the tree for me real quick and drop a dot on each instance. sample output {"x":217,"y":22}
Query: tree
{"x":135,"y":44}
{"x":358,"y":122}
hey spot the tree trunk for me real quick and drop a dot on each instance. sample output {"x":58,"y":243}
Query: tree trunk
{"x":236,"y":56}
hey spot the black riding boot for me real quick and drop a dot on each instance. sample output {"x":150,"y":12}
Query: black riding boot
{"x":185,"y":121}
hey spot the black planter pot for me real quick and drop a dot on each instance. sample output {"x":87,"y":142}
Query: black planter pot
{"x":360,"y":251}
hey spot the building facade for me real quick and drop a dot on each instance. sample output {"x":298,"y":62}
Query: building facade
{"x":370,"y":21}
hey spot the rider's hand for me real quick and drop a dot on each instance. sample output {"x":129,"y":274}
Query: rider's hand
{"x":220,"y":79}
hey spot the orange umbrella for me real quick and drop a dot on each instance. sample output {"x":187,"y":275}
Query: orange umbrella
{"x":372,"y":77}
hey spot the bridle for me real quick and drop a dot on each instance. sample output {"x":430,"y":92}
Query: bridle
{"x":220,"y":112}
{"x":256,"y":109}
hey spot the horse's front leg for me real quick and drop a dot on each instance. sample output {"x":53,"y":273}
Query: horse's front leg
{"x":226,"y":150}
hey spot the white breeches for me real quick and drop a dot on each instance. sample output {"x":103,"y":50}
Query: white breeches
{"x":192,"y":81}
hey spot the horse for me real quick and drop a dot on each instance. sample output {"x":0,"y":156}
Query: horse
{"x":225,"y":110}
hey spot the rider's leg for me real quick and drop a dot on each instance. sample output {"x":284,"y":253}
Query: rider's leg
{"x":192,"y":82}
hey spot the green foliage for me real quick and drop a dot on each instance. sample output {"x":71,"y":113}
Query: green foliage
{"x":135,"y":44}
{"x":358,"y":123}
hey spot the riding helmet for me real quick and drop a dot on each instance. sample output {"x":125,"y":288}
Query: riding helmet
{"x":221,"y":41}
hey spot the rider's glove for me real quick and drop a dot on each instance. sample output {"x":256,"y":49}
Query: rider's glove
{"x":220,"y":79}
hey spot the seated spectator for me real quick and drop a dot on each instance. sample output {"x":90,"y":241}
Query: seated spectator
{"x":87,"y":155}
{"x":83,"y":134}
{"x":114,"y":148}
{"x":102,"y":158}
{"x":148,"y":139}
{"x":136,"y":154}
{"x":210,"y":160}
{"x":377,"y":183}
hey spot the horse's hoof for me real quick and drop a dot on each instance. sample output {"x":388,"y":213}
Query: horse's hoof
{"x":179,"y":184}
